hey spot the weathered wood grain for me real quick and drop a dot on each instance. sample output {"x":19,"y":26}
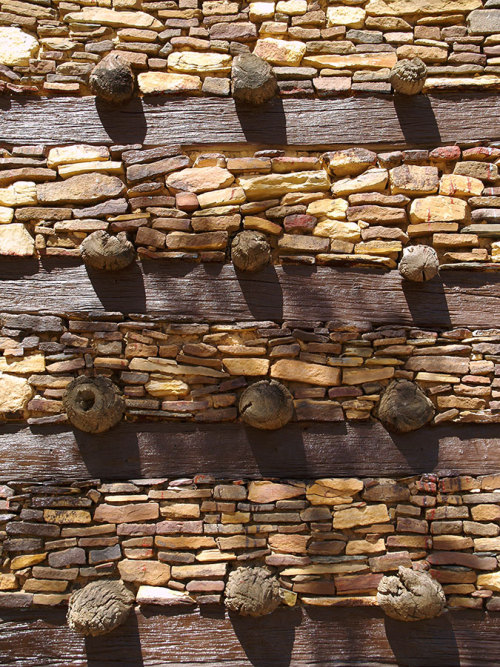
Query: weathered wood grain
{"x":395,"y":120}
{"x":217,"y":293}
{"x":299,"y":637}
{"x":233,"y":451}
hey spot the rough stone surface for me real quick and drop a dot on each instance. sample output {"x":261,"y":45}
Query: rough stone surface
{"x":15,"y":393}
{"x":84,"y":188}
{"x":16,"y":240}
{"x":410,"y":595}
{"x":252,"y":591}
{"x":16,"y":47}
{"x":93,"y":404}
{"x":109,"y":253}
{"x":253,"y":81}
{"x":408,"y":76}
{"x":419,"y":263}
{"x":404,"y":407}
{"x":99,"y":607}
{"x":266,"y":405}
{"x":112,"y":79}
{"x":250,"y":251}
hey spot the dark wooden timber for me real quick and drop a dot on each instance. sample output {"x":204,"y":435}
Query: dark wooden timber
{"x":217,"y":293}
{"x":233,"y":451}
{"x":301,"y":636}
{"x":395,"y":120}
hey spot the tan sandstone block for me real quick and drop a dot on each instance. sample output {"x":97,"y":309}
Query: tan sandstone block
{"x":301,"y":371}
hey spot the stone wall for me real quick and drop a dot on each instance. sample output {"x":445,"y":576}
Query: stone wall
{"x":317,"y":48}
{"x":197,"y":372}
{"x":351,"y":206}
{"x":329,"y":540}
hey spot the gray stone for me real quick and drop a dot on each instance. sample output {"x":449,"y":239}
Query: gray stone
{"x":410,"y":595}
{"x":253,"y":81}
{"x":99,"y":607}
{"x":112,"y":80}
{"x":93,"y":405}
{"x":252,"y":591}
{"x":404,"y":407}
{"x":484,"y":21}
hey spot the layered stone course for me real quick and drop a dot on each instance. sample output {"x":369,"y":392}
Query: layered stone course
{"x":317,"y":48}
{"x":197,"y":372}
{"x":174,"y":542}
{"x":350,"y":206}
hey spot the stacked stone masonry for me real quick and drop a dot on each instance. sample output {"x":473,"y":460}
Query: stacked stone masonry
{"x":350,"y":206}
{"x":174,"y":542}
{"x":197,"y":372}
{"x":317,"y":48}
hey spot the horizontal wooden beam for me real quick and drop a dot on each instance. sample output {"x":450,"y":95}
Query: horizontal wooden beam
{"x":233,"y":451}
{"x":383,"y":120}
{"x":218,"y":293}
{"x":301,"y":637}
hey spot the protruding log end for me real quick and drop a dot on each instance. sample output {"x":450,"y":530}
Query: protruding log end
{"x":252,"y":591}
{"x":419,"y":263}
{"x":266,"y":405}
{"x":112,"y":80}
{"x":250,"y":251}
{"x":93,"y":405}
{"x":410,"y":595}
{"x":253,"y":80}
{"x":408,"y":76}
{"x":404,"y":407}
{"x":99,"y":607}
{"x":102,"y":251}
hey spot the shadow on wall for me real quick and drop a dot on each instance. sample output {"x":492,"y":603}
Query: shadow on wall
{"x":263,"y":124}
{"x":416,"y":119}
{"x":100,"y":651}
{"x":423,"y":643}
{"x":268,"y":640}
{"x":126,"y":124}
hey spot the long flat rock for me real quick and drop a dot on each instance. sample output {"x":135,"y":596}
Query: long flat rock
{"x":218,"y":293}
{"x":233,"y":451}
{"x":375,"y":120}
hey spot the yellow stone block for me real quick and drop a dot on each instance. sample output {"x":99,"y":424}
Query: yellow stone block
{"x":153,"y":83}
{"x":103,"y":16}
{"x":21,"y":193}
{"x":167,"y":388}
{"x":302,"y":371}
{"x":438,"y":209}
{"x":333,"y":491}
{"x":108,"y":167}
{"x":246,"y":366}
{"x":420,"y":7}
{"x":351,"y":17}
{"x":6,"y":215}
{"x":373,"y":180}
{"x":76,"y":153}
{"x":280,"y":51}
{"x":362,"y":375}
{"x":352,"y":61}
{"x":194,"y":62}
{"x":275,"y":185}
{"x":262,"y":225}
{"x":360,"y":516}
{"x":66,"y":516}
{"x":34,"y":363}
{"x":223,"y":197}
{"x":454,"y":185}
{"x":20,"y":562}
{"x":16,"y":46}
{"x":334,"y":229}
{"x":331,"y":208}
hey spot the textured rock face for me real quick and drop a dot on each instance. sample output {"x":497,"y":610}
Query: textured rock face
{"x":408,"y":76}
{"x":16,"y":47}
{"x":15,"y":392}
{"x":411,"y":596}
{"x":253,"y":80}
{"x":93,"y":405}
{"x":99,"y":607}
{"x":419,"y":263}
{"x":266,"y":405}
{"x":252,"y":591}
{"x":112,"y":80}
{"x":250,"y":251}
{"x":110,"y":253}
{"x":404,"y":407}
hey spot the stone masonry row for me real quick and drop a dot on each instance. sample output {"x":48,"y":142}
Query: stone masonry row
{"x":349,"y":207}
{"x":197,"y":372}
{"x":316,"y":47}
{"x":174,"y":542}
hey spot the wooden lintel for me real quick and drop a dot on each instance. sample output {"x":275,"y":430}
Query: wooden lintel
{"x":300,"y":637}
{"x":368,"y":120}
{"x":234,"y":451}
{"x":216,"y":293}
